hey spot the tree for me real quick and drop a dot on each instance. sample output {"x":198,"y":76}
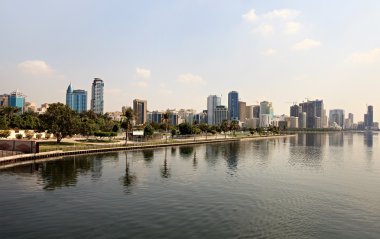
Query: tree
{"x":115,"y":128}
{"x":148,"y":131}
{"x":185,"y":128}
{"x":4,"y":123}
{"x":234,"y":125}
{"x":60,"y":120}
{"x":127,"y":123}
{"x":225,"y":127}
{"x":88,"y":127}
{"x":165,"y":120}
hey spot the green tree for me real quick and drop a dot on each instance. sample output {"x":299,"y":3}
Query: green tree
{"x":225,"y":127}
{"x":60,"y":120}
{"x":148,"y":131}
{"x":88,"y":127}
{"x":127,"y":124}
{"x":4,"y":122}
{"x":234,"y":126}
{"x":185,"y":129}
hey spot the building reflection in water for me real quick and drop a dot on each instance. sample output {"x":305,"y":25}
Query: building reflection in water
{"x":195,"y":161}
{"x":212,"y":154}
{"x":310,"y":156}
{"x":368,"y":138}
{"x":231,"y":154}
{"x":336,"y":139}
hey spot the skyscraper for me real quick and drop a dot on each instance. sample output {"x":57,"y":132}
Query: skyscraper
{"x":76,"y":99}
{"x":295,"y":110}
{"x":140,"y":109}
{"x":256,"y":111}
{"x":17,"y":99}
{"x":233,"y":105}
{"x":212,"y":102}
{"x":369,"y":121}
{"x":242,"y":111}
{"x":220,"y":114}
{"x":314,"y":113}
{"x":336,"y":116}
{"x":97,"y":92}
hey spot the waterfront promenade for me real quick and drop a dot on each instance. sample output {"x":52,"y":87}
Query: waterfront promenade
{"x":15,"y":160}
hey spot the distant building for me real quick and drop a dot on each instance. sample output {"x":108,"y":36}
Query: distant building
{"x":97,"y":93}
{"x":212,"y":102}
{"x":252,"y":123}
{"x":116,"y":115}
{"x":220,"y":114}
{"x":76,"y":99}
{"x":242,"y":111}
{"x":249,"y":112}
{"x":302,"y":120}
{"x":4,"y":100}
{"x":368,"y":118}
{"x":295,"y":110}
{"x":30,"y":107}
{"x":256,"y":111}
{"x":17,"y":99}
{"x":140,"y":111}
{"x":233,"y":105}
{"x":266,"y":113}
{"x":315,"y":113}
{"x":336,"y":116}
{"x":349,"y":122}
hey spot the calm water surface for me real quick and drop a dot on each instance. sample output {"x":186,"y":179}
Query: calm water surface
{"x":309,"y":186}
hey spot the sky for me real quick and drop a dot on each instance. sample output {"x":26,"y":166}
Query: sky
{"x":176,"y":53}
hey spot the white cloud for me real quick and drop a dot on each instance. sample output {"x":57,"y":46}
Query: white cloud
{"x":292,"y":27}
{"x":264,"y":29}
{"x":141,"y":84}
{"x":143,"y":73}
{"x":366,"y":57}
{"x":250,"y":16}
{"x":284,"y":14}
{"x":190,"y":79}
{"x":270,"y":52}
{"x":306,"y":45}
{"x":35,"y":67}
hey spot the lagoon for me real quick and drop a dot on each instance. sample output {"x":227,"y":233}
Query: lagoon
{"x":314,"y":185}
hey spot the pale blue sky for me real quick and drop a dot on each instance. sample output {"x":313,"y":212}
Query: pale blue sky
{"x":176,"y":53}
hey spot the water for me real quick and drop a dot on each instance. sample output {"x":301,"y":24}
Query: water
{"x":309,"y":186}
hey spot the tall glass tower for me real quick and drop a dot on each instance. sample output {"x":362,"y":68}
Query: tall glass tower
{"x":76,"y":99}
{"x":97,"y":92}
{"x":212,"y":102}
{"x":233,"y":105}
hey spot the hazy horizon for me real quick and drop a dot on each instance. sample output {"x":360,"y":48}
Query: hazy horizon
{"x":176,"y":53}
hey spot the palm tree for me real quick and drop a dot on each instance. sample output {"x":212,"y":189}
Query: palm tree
{"x":129,"y":117}
{"x":9,"y":111}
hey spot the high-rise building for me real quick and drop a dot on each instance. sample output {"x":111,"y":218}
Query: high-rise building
{"x":220,"y":114}
{"x":249,"y":112}
{"x":97,"y":92}
{"x":368,"y":118}
{"x":212,"y":102}
{"x":336,"y":116}
{"x":315,"y":113}
{"x":76,"y":99}
{"x":17,"y":99}
{"x":233,"y":105}
{"x":295,"y":110}
{"x":242,"y":111}
{"x":302,"y":120}
{"x":140,"y":109}
{"x":256,"y":111}
{"x":4,"y":100}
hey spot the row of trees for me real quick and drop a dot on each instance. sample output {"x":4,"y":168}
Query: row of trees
{"x":59,"y":120}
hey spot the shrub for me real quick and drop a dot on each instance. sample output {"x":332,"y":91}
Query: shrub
{"x":47,"y":135}
{"x":18,"y":136}
{"x":29,"y":134}
{"x":5,"y":133}
{"x":38,"y":136}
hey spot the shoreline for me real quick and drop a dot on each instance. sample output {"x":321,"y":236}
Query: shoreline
{"x":23,"y":159}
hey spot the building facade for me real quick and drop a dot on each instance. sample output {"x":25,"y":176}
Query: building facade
{"x":220,"y":114}
{"x":97,"y":96}
{"x":140,"y":111}
{"x":212,"y":102}
{"x":233,"y":105}
{"x":17,"y":99}
{"x":315,"y":113}
{"x":76,"y":99}
{"x":336,"y":116}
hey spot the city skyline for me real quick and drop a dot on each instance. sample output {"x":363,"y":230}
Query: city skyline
{"x":280,"y":52}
